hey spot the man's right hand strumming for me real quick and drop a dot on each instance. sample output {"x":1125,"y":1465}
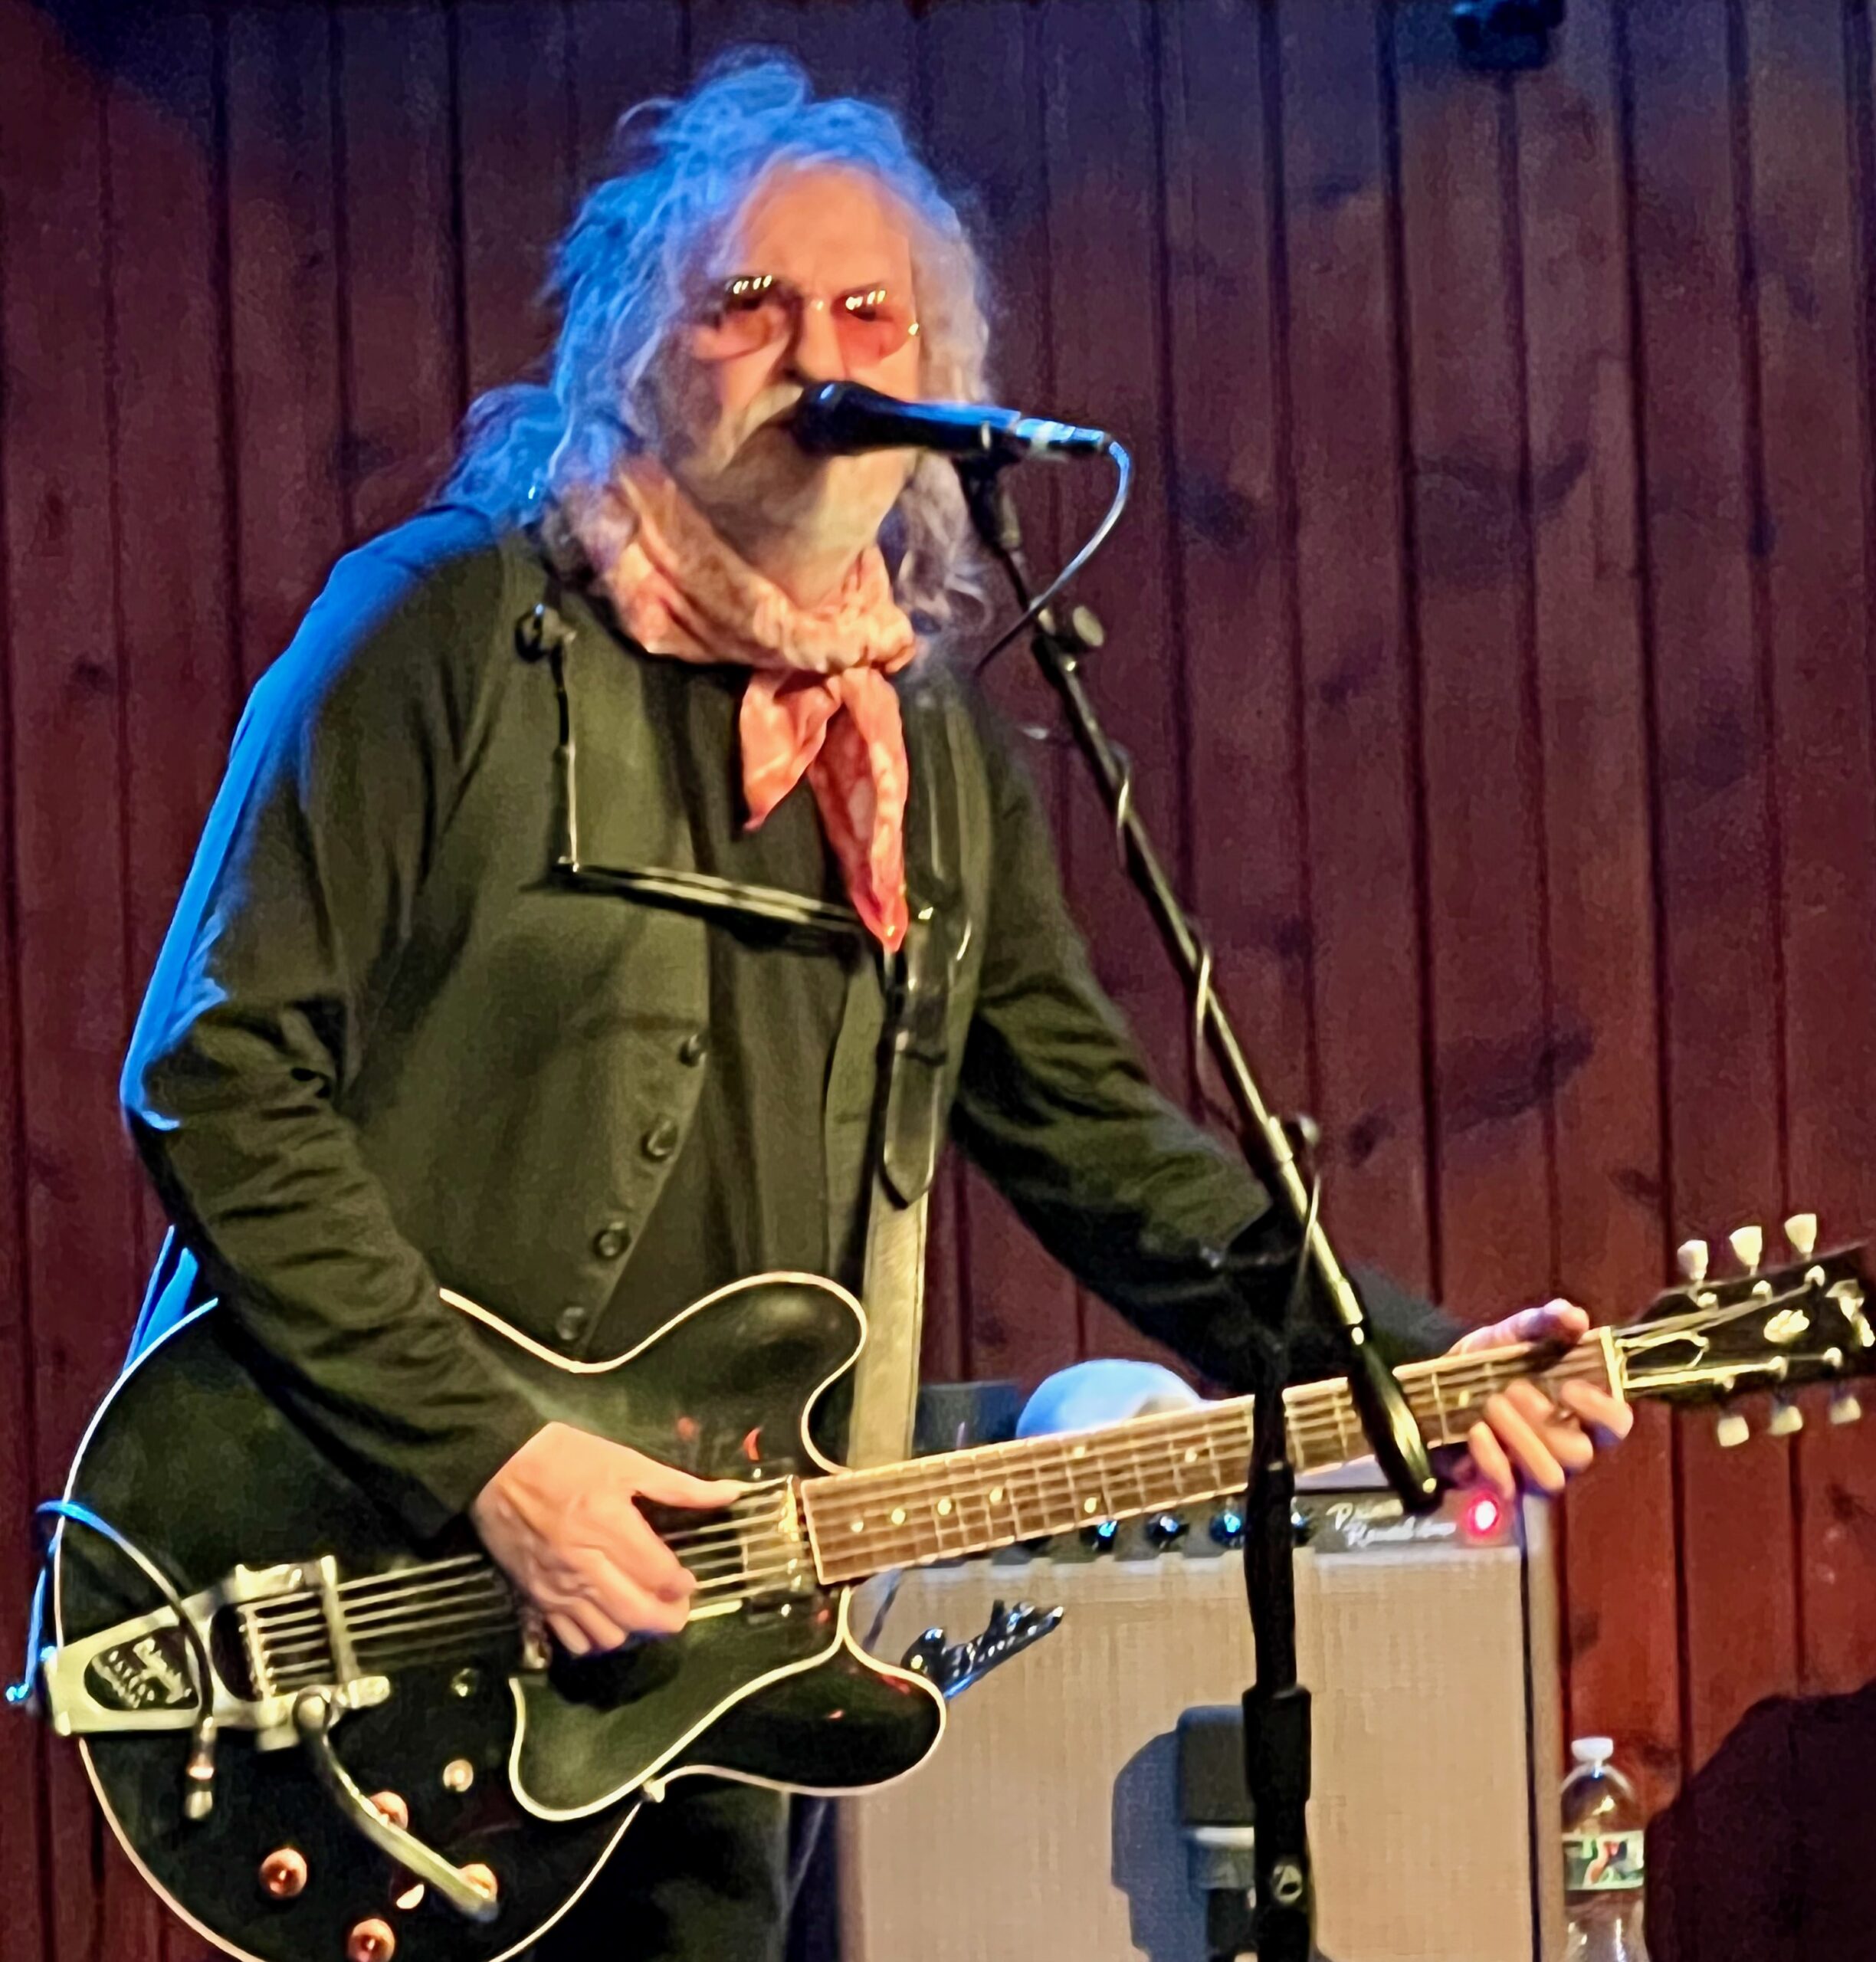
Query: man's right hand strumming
{"x":561,"y":1519}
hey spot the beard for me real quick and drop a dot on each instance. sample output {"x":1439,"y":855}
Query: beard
{"x":745,"y":474}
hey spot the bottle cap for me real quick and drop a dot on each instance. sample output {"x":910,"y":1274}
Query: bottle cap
{"x":1592,"y":1750}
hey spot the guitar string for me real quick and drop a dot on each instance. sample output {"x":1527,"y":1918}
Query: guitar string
{"x":1172,"y":1431}
{"x":1316,"y":1426}
{"x":390,"y":1624}
{"x":748,"y":1583}
{"x":1312,"y":1418}
{"x":1202,"y":1431}
{"x":1169,"y":1437}
{"x":305,"y":1606}
{"x":354,"y":1590}
{"x":313,"y":1660}
{"x":1312,"y":1414}
{"x":748,"y":1586}
{"x":1494,"y":1368}
{"x":282,"y":1633}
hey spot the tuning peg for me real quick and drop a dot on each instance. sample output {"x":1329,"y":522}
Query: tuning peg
{"x":1801,"y":1233}
{"x":1731,"y":1429}
{"x":1691,"y":1257}
{"x":1845,"y":1408}
{"x":1787,"y":1419}
{"x":1748,"y":1245}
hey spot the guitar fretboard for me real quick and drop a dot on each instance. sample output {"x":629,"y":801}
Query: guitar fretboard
{"x":964,"y":1502}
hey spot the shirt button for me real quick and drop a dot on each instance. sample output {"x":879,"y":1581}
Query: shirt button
{"x":571,"y":1323}
{"x":695,"y":1046}
{"x":612,"y":1239}
{"x":661,"y":1139}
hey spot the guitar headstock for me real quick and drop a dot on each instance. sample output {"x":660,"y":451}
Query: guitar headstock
{"x":1804,"y":1321}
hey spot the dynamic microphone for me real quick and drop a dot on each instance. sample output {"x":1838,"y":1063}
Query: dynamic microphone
{"x":841,"y":418}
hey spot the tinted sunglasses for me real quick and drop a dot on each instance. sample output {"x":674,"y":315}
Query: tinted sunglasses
{"x":758,"y":309}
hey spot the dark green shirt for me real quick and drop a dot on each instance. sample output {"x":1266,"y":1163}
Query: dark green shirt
{"x":775,"y":1012}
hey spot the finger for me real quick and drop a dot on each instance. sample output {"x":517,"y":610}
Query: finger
{"x":1490,"y":1463}
{"x":1611,"y":1418}
{"x":1554,"y":1321}
{"x":1556,"y":1428}
{"x":631,"y":1546}
{"x":568,"y":1632}
{"x":633,"y":1605}
{"x":1526,"y":1449}
{"x":598,"y":1623}
{"x":665,"y":1484}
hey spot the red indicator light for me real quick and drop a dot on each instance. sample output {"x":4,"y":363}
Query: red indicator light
{"x":1483,"y":1515}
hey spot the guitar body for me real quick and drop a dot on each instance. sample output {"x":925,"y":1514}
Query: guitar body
{"x":536,"y":1774}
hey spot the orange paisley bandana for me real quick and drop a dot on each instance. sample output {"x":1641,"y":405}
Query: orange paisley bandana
{"x":818,"y":703}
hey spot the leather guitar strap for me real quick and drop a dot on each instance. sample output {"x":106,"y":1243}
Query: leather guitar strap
{"x":885,"y":1379}
{"x":912,"y":1111}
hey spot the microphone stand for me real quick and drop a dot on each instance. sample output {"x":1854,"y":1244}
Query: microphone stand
{"x":1277,"y":1708}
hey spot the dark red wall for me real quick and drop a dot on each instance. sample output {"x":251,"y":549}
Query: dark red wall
{"x":1491,"y":628}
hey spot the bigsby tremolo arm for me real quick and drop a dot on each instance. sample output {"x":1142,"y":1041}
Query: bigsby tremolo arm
{"x":313,"y":1713}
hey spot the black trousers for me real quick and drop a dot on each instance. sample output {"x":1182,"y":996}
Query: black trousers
{"x":701,"y":1877}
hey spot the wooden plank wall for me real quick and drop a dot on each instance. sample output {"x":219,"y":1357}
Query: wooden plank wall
{"x":1491,"y":628}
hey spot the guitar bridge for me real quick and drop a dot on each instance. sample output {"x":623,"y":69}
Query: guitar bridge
{"x":135,"y":1676}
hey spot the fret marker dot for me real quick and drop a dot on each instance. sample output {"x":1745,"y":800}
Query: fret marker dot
{"x":996,"y":1494}
{"x":944,"y":1508}
{"x":859,"y":1525}
{"x":898,"y":1515}
{"x":1079,"y":1451}
{"x":1192,"y":1458}
{"x":1090,"y":1505}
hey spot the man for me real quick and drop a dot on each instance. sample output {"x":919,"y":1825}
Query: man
{"x":391,"y":1044}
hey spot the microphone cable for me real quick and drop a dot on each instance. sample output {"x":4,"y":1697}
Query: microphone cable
{"x":1124,"y":467}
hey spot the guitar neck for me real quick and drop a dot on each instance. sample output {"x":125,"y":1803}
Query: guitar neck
{"x":964,"y":1502}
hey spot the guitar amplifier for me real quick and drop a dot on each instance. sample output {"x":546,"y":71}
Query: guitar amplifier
{"x":1048,"y":1822}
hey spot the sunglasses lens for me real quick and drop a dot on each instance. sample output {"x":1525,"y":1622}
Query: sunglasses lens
{"x":871,"y":324}
{"x":747,"y":314}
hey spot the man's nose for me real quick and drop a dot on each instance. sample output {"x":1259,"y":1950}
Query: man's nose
{"x":816,"y":355}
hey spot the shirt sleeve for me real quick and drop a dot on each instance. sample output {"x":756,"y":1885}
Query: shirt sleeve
{"x":341,"y":778}
{"x":1121,"y":1187}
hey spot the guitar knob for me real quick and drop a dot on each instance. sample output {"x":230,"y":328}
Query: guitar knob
{"x":1801,"y":1232}
{"x":1844,"y":1407}
{"x":1787,"y":1419}
{"x":1731,"y":1429}
{"x":371,"y":1941}
{"x":283,"y":1872}
{"x":1099,"y":1539}
{"x":1691,"y":1257}
{"x":1748,"y":1245}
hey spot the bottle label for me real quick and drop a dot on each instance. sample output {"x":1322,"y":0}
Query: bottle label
{"x":1601,"y":1862}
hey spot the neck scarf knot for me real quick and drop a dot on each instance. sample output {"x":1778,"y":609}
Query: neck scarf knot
{"x":818,"y":703}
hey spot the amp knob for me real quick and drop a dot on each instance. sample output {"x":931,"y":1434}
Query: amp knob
{"x":1226,"y":1528}
{"x":1165,"y":1530}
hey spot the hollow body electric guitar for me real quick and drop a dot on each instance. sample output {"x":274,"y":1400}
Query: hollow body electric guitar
{"x":321,"y":1743}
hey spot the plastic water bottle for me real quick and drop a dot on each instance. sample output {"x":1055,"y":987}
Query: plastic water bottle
{"x":1601,"y":1859}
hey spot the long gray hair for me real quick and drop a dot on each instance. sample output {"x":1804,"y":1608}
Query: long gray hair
{"x":623,"y":278}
